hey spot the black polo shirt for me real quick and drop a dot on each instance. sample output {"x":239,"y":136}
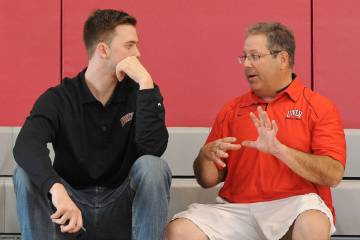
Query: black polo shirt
{"x":93,"y":144}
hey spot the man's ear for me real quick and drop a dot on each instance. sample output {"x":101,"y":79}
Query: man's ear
{"x":284,"y":60}
{"x":103,"y":50}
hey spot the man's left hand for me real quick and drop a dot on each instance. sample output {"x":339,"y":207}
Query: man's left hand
{"x":267,"y":130}
{"x":132,"y":67}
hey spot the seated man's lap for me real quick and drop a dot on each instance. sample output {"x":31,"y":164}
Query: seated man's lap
{"x":263,"y":220}
{"x":106,"y":212}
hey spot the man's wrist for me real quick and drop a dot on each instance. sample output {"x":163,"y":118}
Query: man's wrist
{"x":281,"y":151}
{"x":202,"y":153}
{"x":55,"y":187}
{"x":146,"y":83}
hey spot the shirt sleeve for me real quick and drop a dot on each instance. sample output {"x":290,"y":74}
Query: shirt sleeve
{"x":328,"y":138}
{"x":218,"y":129}
{"x":30,"y":150}
{"x":151,"y":135}
{"x":215,"y":132}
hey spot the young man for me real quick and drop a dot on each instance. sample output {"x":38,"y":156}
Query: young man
{"x":107,"y":127}
{"x":278,"y":185}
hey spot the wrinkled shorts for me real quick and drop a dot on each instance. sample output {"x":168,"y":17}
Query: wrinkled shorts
{"x":262,"y":220}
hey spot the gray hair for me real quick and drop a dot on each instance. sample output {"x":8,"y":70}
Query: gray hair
{"x":279,"y":37}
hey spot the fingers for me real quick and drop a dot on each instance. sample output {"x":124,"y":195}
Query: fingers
{"x":70,"y":223}
{"x":275,"y":127}
{"x":219,"y":162}
{"x":255,"y":120}
{"x":120,"y":70}
{"x":228,"y":146}
{"x":216,"y":155}
{"x":132,"y":67}
{"x":120,"y":75}
{"x":70,"y":227}
{"x":251,"y":144}
{"x":57,"y":214}
{"x":67,"y":214}
{"x":74,"y":225}
{"x":263,"y":120}
{"x":267,"y":130}
{"x":79,"y":223}
{"x":126,"y":62}
{"x":62,"y":220}
{"x":221,"y":153}
{"x":216,"y":151}
{"x":228,"y":140}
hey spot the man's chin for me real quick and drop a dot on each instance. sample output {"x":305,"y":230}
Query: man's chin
{"x":255,"y":86}
{"x":258,"y":90}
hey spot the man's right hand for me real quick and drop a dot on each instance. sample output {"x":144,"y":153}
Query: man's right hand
{"x":67,"y":214}
{"x":216,"y":151}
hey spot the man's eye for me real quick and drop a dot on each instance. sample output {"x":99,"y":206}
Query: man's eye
{"x":128,"y":46}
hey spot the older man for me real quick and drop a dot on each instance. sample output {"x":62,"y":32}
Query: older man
{"x":278,"y":149}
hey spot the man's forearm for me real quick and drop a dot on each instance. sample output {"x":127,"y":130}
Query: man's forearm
{"x":206,"y":172}
{"x":151,"y":134}
{"x":321,"y":170}
{"x":31,"y":153}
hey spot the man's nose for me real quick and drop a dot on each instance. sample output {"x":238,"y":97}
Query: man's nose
{"x":137,"y":52}
{"x":247,"y":62}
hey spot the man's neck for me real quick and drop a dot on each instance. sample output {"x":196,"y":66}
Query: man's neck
{"x":100,"y":82}
{"x":283,"y":84}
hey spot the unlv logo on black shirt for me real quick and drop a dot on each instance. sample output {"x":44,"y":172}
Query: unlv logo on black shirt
{"x":126,"y":118}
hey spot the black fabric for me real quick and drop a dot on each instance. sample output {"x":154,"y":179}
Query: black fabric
{"x":93,"y":144}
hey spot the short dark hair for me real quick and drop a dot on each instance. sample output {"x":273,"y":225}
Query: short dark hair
{"x":100,"y":26}
{"x":279,"y":37}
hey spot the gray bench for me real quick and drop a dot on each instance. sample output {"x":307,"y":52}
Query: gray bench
{"x":184,"y":144}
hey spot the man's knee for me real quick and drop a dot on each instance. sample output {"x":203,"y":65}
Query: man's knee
{"x":152,"y":168}
{"x":312,"y":224}
{"x":183,"y":229}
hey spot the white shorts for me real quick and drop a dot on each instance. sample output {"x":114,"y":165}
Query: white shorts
{"x":262,"y":220}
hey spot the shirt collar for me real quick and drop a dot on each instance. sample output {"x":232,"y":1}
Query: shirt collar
{"x":87,"y":97}
{"x":293,"y":91}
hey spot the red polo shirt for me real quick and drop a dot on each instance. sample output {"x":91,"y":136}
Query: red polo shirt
{"x":307,"y":122}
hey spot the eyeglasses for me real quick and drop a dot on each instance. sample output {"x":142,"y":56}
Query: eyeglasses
{"x":255,"y":57}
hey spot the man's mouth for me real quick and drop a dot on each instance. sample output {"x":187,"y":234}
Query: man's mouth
{"x":251,"y":77}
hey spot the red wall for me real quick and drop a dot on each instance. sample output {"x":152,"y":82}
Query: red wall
{"x":336,"y":51}
{"x":189,"y":48}
{"x":30,"y":55}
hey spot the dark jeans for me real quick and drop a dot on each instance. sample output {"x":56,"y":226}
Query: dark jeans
{"x":135,"y":210}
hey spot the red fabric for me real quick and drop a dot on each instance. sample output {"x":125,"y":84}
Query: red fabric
{"x":307,"y":122}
